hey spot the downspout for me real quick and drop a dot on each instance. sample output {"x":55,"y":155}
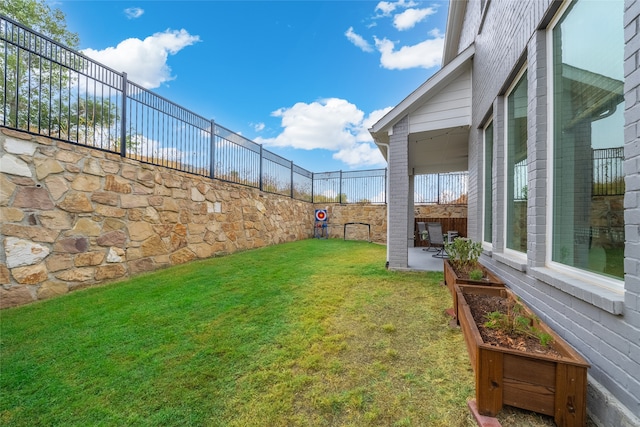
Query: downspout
{"x":386,"y":145}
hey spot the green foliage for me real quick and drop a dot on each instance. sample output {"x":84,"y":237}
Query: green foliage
{"x":518,"y":322}
{"x":476,"y":274}
{"x":463,"y":254}
{"x":39,"y":16}
{"x":45,"y":97}
{"x":610,"y":188}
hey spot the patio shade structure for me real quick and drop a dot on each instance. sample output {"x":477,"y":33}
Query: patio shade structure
{"x":428,"y":132}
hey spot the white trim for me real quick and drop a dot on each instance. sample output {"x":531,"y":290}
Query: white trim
{"x":415,"y":99}
{"x":594,"y":279}
{"x":455,"y":22}
{"x":514,"y":259}
{"x":386,"y":197}
{"x":485,"y":243}
{"x":589,"y":278}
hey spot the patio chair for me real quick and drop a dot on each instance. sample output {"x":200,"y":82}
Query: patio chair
{"x":423,"y":235}
{"x":436,"y":239}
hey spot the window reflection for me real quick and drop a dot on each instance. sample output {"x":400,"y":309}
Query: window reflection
{"x":517,"y":194}
{"x":588,"y":222}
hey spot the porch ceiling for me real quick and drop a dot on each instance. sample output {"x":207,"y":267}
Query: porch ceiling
{"x":439,"y":151}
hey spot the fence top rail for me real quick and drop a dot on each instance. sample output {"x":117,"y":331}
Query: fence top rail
{"x":233,"y":137}
{"x":302,"y":171}
{"x":162,"y":104}
{"x":327,"y":175}
{"x":608,"y":153}
{"x":368,"y":173}
{"x":275,"y":158}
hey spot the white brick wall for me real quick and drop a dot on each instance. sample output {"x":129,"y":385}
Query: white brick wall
{"x":537,"y":152}
{"x":398,"y":204}
{"x":602,"y":325}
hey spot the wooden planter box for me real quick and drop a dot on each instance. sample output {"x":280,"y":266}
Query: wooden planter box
{"x":555,"y":386}
{"x":451,"y":280}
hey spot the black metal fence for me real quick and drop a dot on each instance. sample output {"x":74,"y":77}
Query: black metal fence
{"x":444,"y":188}
{"x":367,"y":186}
{"x":608,"y":173}
{"x":48,"y":89}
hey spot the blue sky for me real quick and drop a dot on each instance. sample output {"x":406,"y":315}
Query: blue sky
{"x":304,"y":78}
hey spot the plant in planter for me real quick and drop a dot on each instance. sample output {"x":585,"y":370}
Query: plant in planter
{"x":463,"y":267}
{"x":463,"y":255}
{"x":476,"y":274}
{"x":511,"y":369}
{"x":517,"y":321}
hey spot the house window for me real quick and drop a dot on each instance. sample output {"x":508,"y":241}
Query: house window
{"x":488,"y":183}
{"x":588,"y":136}
{"x":516,"y":186}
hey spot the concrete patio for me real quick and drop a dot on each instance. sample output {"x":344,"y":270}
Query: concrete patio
{"x":421,"y":260}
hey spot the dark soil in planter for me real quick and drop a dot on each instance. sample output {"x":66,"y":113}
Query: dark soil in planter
{"x":463,"y":274}
{"x":481,"y":305}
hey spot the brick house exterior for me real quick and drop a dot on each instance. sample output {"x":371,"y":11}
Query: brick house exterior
{"x":572,"y":255}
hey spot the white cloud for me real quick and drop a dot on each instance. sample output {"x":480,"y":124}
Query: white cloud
{"x":373,"y":117}
{"x":259,"y":127}
{"x":360,"y":155}
{"x":145,"y":61}
{"x":364,"y":152}
{"x":357,"y":40}
{"x":133,"y":12}
{"x":410,"y":17}
{"x":330,"y":124}
{"x":426,"y":54}
{"x":323,"y":124}
{"x":388,"y":7}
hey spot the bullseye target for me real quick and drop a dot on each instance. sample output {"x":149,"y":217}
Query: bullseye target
{"x":321,"y":214}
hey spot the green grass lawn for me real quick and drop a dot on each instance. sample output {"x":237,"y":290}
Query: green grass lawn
{"x":311,"y":333}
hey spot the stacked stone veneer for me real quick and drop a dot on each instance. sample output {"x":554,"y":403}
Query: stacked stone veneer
{"x":73,"y":216}
{"x":376,"y":216}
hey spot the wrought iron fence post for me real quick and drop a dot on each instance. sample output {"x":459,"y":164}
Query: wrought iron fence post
{"x":292,"y":179}
{"x":340,"y":188}
{"x":123,"y":131}
{"x":261,"y":161}
{"x":212,"y":155}
{"x":313,"y":180}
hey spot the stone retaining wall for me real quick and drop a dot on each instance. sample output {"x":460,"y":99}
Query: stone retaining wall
{"x":72,"y":217}
{"x":376,"y":217}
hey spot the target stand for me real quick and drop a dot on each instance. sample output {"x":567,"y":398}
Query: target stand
{"x":320,"y":227}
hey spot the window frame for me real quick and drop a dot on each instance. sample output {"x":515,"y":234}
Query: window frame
{"x":487,"y":244}
{"x":616,"y":285}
